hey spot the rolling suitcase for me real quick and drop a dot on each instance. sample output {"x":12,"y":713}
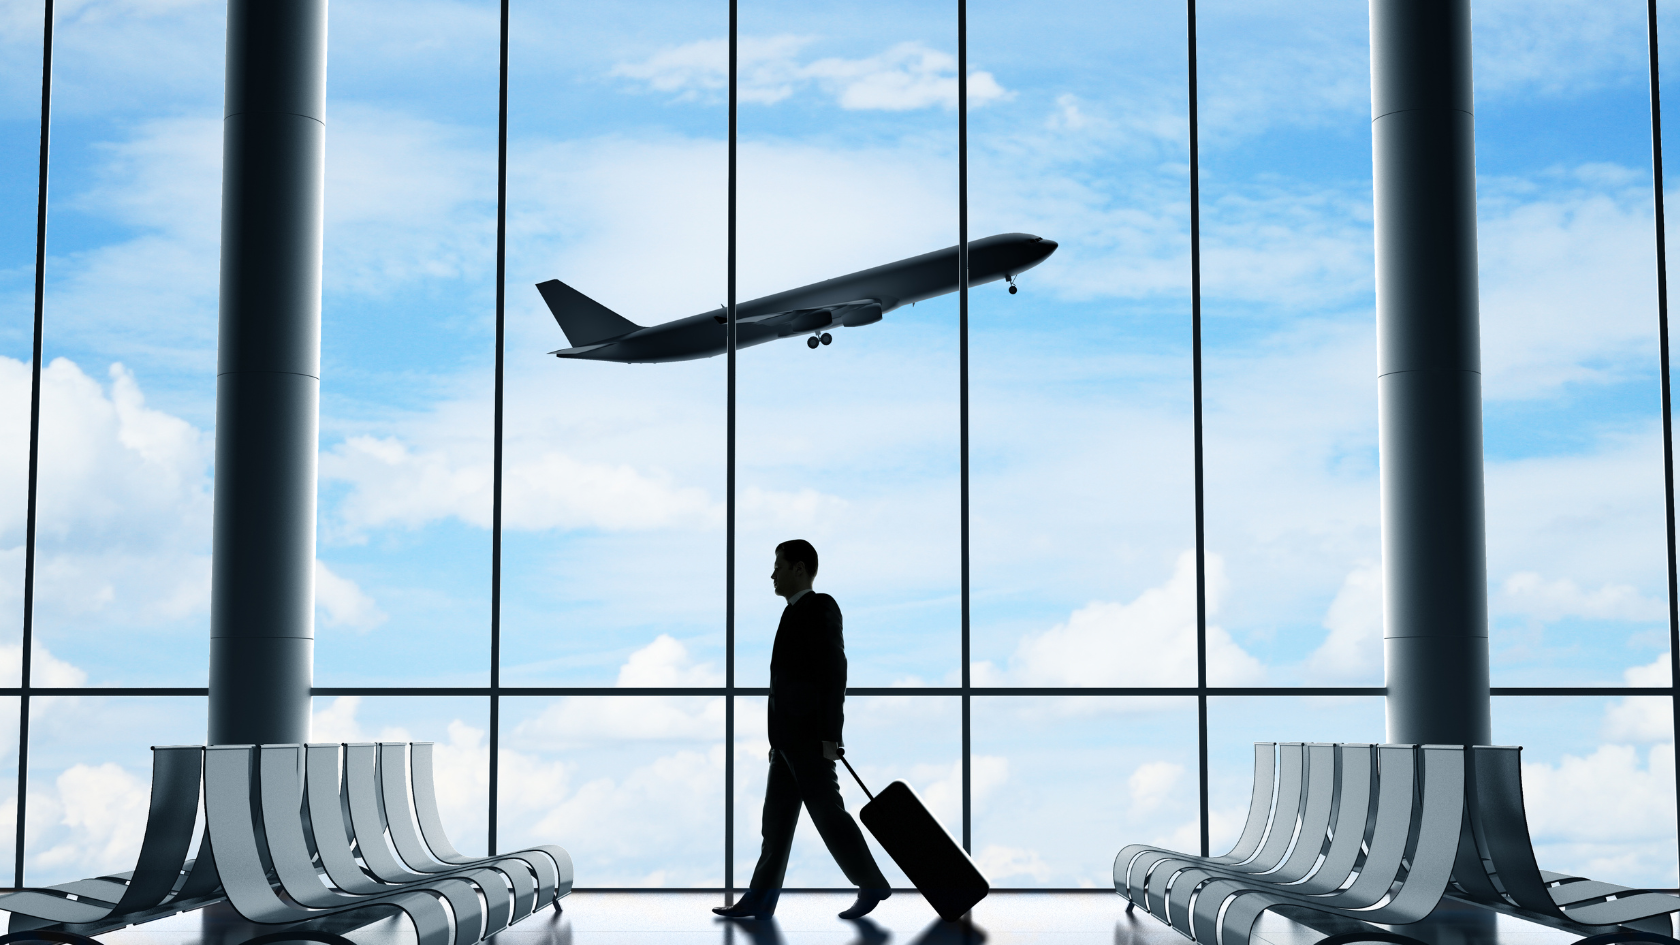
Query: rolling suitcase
{"x":942,"y":872}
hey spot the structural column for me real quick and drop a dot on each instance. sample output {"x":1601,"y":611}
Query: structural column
{"x":1429,"y":373}
{"x":268,"y":372}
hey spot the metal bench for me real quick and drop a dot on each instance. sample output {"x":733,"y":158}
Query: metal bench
{"x":314,"y":838}
{"x":1377,"y":835}
{"x":163,"y":882}
{"x":1497,"y":868}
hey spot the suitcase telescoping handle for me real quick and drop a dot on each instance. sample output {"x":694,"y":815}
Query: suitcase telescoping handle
{"x":849,"y":767}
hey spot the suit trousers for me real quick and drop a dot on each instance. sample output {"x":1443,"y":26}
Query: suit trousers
{"x":806,"y":777}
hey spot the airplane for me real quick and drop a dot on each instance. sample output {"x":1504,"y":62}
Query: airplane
{"x":599,"y":334}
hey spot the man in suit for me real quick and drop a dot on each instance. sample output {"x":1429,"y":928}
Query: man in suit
{"x":807,"y":699}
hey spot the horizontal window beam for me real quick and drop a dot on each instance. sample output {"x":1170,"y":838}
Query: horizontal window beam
{"x":1039,"y":691}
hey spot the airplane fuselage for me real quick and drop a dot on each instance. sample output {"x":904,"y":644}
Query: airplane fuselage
{"x":856,"y":299}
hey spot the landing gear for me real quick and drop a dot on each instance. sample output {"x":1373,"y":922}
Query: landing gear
{"x":1011,"y":284}
{"x":823,"y":339}
{"x":812,"y":342}
{"x":827,"y":338}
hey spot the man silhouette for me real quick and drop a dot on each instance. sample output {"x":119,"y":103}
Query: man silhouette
{"x":807,"y":699}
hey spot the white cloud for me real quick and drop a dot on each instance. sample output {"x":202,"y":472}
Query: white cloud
{"x":460,"y":764}
{"x":1589,"y":517}
{"x":1000,"y":862}
{"x":119,"y":56}
{"x":104,"y":809}
{"x":344,"y":602}
{"x":1153,"y":782}
{"x":1353,"y":650}
{"x":150,"y":298}
{"x":1568,"y":292}
{"x":664,"y":662}
{"x":337,"y":722}
{"x":395,"y":485}
{"x":1528,"y":592}
{"x":1641,"y":719}
{"x":613,"y":822}
{"x":905,"y":77}
{"x":1307,"y":63}
{"x":1557,"y":48}
{"x":124,"y":503}
{"x":112,"y":470}
{"x":1268,"y":65}
{"x":409,"y":200}
{"x":1224,"y":827}
{"x":1148,"y":642}
{"x":45,"y":669}
{"x":1578,"y":825}
{"x":940,"y":786}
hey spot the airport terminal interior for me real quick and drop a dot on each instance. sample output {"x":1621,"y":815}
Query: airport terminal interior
{"x":1330,"y":408}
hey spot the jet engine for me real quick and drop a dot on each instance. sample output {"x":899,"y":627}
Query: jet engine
{"x":859,"y":313}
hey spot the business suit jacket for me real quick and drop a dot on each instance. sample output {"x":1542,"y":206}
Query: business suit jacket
{"x":808,"y":675}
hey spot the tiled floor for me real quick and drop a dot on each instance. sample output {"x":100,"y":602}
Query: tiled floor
{"x":1004,"y":918}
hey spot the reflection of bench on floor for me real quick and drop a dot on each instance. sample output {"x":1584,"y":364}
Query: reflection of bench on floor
{"x":1377,"y":834}
{"x":333,"y":828}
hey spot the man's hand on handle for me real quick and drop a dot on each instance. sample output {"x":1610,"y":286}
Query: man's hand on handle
{"x":832,"y":751}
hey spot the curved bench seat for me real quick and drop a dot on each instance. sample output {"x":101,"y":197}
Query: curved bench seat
{"x":1379,"y":834}
{"x":162,"y":878}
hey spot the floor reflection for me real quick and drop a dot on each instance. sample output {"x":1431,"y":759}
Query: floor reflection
{"x":1004,"y":918}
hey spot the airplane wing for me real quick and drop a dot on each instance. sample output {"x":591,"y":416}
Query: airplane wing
{"x":801,"y":320}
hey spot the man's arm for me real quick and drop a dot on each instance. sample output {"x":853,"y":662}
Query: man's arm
{"x":831,"y":675}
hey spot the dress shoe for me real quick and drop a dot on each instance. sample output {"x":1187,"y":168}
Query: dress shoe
{"x":753,"y":905}
{"x":867,"y":900}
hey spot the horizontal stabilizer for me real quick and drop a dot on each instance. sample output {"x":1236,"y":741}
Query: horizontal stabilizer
{"x":579,"y":351}
{"x":584,"y":320}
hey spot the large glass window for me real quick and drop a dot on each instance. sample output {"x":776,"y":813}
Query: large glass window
{"x":847,"y":162}
{"x":613,"y":479}
{"x":527,"y":559}
{"x":408,"y":345}
{"x":122,"y":579}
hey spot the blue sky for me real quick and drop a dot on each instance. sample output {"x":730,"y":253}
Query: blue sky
{"x":613,"y":567}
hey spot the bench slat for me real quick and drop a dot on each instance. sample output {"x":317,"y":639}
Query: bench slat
{"x":231,"y":823}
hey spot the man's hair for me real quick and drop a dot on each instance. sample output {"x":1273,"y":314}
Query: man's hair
{"x":799,"y":551}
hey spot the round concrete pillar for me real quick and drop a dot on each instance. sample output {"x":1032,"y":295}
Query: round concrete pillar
{"x":268,"y":371}
{"x":1429,"y":373}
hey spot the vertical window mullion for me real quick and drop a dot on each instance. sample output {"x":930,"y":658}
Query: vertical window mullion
{"x":496,"y":473}
{"x":1662,"y":355}
{"x":729,"y":500}
{"x":34,"y":437}
{"x":1196,"y":429}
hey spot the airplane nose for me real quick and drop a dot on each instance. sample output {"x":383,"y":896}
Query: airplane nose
{"x":1046,"y":247}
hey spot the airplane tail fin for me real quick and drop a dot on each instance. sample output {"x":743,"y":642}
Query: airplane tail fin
{"x":584,"y":320}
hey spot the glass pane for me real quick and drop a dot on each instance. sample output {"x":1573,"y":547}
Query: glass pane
{"x":1060,"y":785}
{"x":90,"y":778}
{"x":128,"y":392}
{"x":1598,"y":784}
{"x":20,"y":140}
{"x":1577,"y":563}
{"x":460,"y":762}
{"x":1290,"y":349}
{"x":8,"y":783}
{"x":632,"y":786}
{"x":1083,"y":507}
{"x":408,"y":346}
{"x":848,"y":137}
{"x":614,"y":483}
{"x":1236,"y":723}
{"x":914,"y":739}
